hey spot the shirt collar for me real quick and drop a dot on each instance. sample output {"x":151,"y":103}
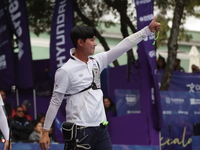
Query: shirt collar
{"x":72,"y":51}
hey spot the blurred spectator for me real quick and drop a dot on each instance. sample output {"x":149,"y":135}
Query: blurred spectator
{"x":40,"y":118}
{"x":26,"y":105}
{"x":109,"y":105}
{"x":21,"y":126}
{"x":7,"y":105}
{"x":195,"y":69}
{"x":161,"y":63}
{"x":177,"y":65}
{"x":36,"y":134}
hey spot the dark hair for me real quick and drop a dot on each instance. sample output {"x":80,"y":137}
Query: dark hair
{"x":81,"y":32}
{"x":164,"y":63}
{"x":40,"y":116}
{"x":111,"y":102}
{"x":35,"y":123}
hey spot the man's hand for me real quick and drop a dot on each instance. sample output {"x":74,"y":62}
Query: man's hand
{"x":154,"y":26}
{"x":45,"y":141}
{"x":6,"y":145}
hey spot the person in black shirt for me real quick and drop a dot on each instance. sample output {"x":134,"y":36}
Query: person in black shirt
{"x":177,"y":66}
{"x":21,"y":126}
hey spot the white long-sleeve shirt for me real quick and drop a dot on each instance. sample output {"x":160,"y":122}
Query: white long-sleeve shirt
{"x":85,"y":108}
{"x":3,"y":123}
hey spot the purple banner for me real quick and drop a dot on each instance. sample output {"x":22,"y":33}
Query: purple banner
{"x":60,"y":43}
{"x":7,"y":75}
{"x":144,"y":9}
{"x":19,"y":24}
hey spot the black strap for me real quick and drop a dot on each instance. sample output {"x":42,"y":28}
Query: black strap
{"x":93,"y":85}
{"x":80,"y":91}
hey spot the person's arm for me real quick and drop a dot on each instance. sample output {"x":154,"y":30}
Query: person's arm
{"x":4,"y":124}
{"x":55,"y":103}
{"x":4,"y":128}
{"x":132,"y":40}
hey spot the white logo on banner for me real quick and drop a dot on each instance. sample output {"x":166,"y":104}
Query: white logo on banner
{"x":152,"y":53}
{"x":21,"y":51}
{"x":168,"y":100}
{"x":183,"y":112}
{"x":194,"y":101}
{"x":150,"y":37}
{"x":15,"y":15}
{"x":167,"y":112}
{"x":196,"y":112}
{"x":193,"y":87}
{"x":141,"y":2}
{"x":131,"y":99}
{"x":60,"y":35}
{"x":146,"y":18}
{"x":2,"y":62}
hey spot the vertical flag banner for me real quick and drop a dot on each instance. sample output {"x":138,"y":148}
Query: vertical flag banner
{"x":60,"y":43}
{"x":18,"y":19}
{"x":7,"y":74}
{"x":144,"y":9}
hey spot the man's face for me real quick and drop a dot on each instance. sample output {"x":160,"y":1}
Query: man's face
{"x":89,"y":45}
{"x":19,"y":112}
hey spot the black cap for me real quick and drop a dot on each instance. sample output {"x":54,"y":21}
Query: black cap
{"x":27,"y":103}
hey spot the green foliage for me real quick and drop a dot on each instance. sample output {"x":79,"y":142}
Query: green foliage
{"x":165,"y":6}
{"x":40,"y":15}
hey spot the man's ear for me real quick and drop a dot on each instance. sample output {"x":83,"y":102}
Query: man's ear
{"x":80,"y":42}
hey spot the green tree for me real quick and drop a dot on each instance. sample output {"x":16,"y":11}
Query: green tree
{"x":92,"y":12}
{"x":181,"y":10}
{"x":89,"y":13}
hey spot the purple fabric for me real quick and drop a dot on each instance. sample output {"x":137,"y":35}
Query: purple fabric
{"x":116,"y":79}
{"x":129,"y":130}
{"x":19,"y":24}
{"x":143,"y":19}
{"x":7,"y":75}
{"x":60,"y":42}
{"x":139,"y":80}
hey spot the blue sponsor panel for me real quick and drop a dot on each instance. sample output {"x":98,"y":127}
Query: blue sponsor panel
{"x":134,"y":147}
{"x":127,"y":101}
{"x":35,"y":146}
{"x":180,"y":111}
{"x":181,"y":81}
{"x":195,"y":143}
